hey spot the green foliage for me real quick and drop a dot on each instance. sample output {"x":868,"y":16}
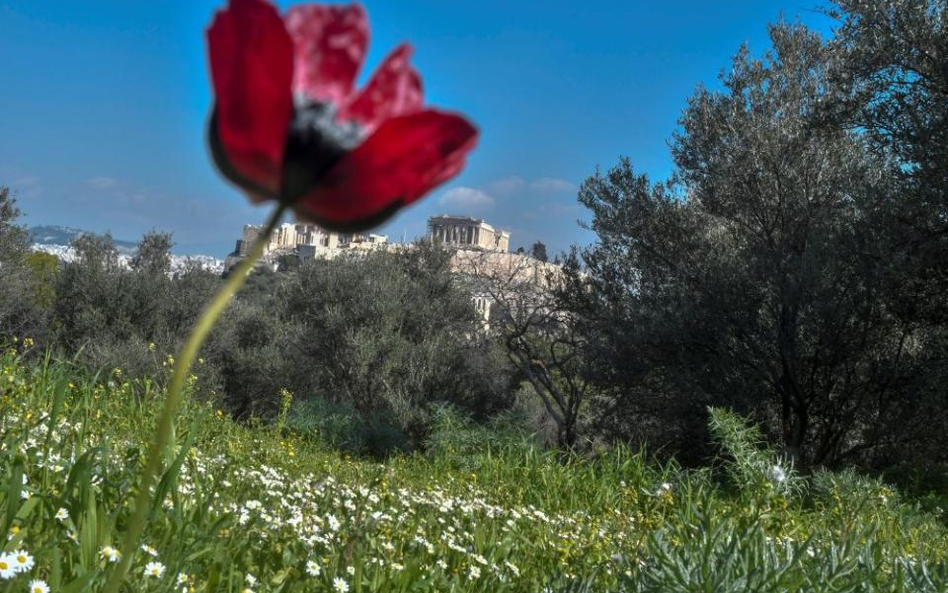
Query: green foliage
{"x":538,"y":251}
{"x":388,"y":334}
{"x":893,"y":74}
{"x":114,"y":316}
{"x":457,"y":439}
{"x":381,"y":336}
{"x":753,"y":467}
{"x":45,"y":270}
{"x":153,"y":256}
{"x":764,"y":539}
{"x":477,"y":513}
{"x":711,"y":547}
{"x":339,"y":426}
{"x":14,"y":239}
{"x":763,"y":276}
{"x":24,"y":289}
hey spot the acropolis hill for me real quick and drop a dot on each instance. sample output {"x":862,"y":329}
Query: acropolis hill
{"x":480,"y":252}
{"x":300,"y":241}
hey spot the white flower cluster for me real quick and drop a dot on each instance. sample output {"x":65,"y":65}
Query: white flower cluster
{"x":20,"y":562}
{"x":437,"y":531}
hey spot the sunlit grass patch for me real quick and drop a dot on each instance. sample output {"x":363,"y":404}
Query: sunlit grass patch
{"x":260,"y":508}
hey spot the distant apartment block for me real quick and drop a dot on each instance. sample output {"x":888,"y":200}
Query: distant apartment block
{"x":305,"y":241}
{"x":465,"y":232}
{"x":289,"y":236}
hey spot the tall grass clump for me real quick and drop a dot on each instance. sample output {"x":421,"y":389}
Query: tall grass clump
{"x":761,"y":527}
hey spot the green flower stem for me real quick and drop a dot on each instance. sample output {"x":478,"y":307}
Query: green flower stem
{"x":182,"y":367}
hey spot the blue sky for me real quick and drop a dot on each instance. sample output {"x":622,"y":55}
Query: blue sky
{"x":104,"y":104}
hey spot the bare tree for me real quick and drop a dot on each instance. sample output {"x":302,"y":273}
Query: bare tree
{"x":539,"y":335}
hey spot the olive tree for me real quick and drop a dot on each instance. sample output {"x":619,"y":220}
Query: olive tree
{"x":753,"y":278}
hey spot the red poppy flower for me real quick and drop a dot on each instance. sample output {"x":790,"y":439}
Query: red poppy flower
{"x":288,"y":124}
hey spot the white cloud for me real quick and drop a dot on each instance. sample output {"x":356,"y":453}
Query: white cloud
{"x":466,"y":197}
{"x":507,"y":185}
{"x":552,"y":185}
{"x":101,"y":182}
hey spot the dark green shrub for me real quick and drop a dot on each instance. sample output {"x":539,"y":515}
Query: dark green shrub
{"x":389,"y":333}
{"x":23,"y":298}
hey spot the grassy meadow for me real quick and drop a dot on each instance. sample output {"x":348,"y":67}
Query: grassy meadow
{"x":256,"y":507}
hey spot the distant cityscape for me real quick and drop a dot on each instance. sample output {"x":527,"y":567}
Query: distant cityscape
{"x":480,"y":250}
{"x":57,"y":241}
{"x":298,"y":241}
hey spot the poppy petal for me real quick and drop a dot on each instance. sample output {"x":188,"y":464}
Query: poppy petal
{"x":404,"y":159}
{"x":251,"y":57}
{"x":394,"y":89}
{"x":330,"y":45}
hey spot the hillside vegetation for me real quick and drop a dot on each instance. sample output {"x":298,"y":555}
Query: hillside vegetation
{"x":257,"y":508}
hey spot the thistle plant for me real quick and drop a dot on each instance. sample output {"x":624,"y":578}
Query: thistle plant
{"x":752,"y":465}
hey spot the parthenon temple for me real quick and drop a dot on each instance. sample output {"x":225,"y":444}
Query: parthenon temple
{"x":464,"y":231}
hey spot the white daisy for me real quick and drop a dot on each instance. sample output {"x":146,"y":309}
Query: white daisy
{"x":340,"y":585}
{"x":110,"y":554}
{"x":22,"y":561}
{"x":7,"y":566}
{"x":312,"y":569}
{"x":62,"y":514}
{"x":39,"y":586}
{"x":154,"y":569}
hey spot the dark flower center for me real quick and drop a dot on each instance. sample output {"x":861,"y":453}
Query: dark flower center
{"x":316,"y":141}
